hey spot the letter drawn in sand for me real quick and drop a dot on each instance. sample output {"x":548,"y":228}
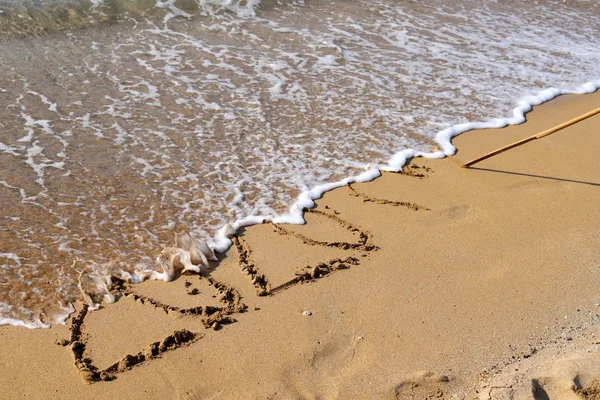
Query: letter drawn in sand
{"x":310,"y":272}
{"x":212,"y":317}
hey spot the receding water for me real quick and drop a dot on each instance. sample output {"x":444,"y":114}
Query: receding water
{"x":125,"y":122}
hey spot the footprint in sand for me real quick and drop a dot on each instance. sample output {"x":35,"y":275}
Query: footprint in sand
{"x":588,"y":389}
{"x":581,"y":387}
{"x":425,"y":386}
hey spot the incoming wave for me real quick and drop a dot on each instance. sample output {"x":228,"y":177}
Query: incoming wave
{"x":121,"y":142}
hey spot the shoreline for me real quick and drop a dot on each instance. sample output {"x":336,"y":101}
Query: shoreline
{"x":436,"y":280}
{"x":178,"y":123}
{"x":221,"y":242}
{"x":398,"y":160}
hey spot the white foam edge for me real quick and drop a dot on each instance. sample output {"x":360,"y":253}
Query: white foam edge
{"x":222,"y":240}
{"x":37,"y":323}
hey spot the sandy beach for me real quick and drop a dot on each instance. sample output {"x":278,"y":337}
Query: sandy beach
{"x":439,"y":282}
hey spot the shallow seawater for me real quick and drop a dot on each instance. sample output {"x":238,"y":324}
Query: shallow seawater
{"x":125,"y":122}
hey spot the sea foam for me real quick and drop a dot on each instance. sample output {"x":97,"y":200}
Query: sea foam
{"x":208,"y":116}
{"x":306,"y":200}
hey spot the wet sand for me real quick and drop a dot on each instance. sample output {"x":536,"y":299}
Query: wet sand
{"x":441,"y":281}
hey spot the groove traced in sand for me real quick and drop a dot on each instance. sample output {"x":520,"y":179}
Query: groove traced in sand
{"x":368,"y":199}
{"x":247,"y":265}
{"x":363,"y":242}
{"x":309,"y":273}
{"x":90,"y":373}
{"x":215,"y":317}
{"x":416,"y":171}
{"x":413,"y":171}
{"x":318,"y":271}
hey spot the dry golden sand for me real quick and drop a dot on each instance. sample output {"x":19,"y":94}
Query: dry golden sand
{"x":441,"y":282}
